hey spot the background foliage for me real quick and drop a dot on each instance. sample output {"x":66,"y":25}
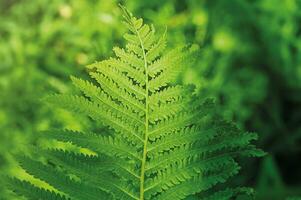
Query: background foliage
{"x":250,"y":61}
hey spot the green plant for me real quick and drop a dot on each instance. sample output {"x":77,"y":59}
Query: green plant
{"x":163,"y":143}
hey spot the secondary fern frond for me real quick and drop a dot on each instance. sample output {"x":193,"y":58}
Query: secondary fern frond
{"x":30,"y":191}
{"x":164,"y":144}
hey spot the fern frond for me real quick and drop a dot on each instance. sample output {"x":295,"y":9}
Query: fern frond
{"x":28,"y":190}
{"x":101,"y":144}
{"x":164,"y":143}
{"x":181,"y":173}
{"x":60,"y":180}
{"x":157,"y":49}
{"x":117,"y":93}
{"x":86,"y":167}
{"x":99,"y":97}
{"x":170,"y":94}
{"x":100,"y":113}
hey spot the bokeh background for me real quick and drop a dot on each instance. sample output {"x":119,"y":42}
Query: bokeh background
{"x":249,"y":61}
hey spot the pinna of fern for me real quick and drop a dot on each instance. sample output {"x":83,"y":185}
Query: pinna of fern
{"x":165,"y":144}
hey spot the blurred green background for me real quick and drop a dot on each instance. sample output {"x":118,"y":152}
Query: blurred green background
{"x":250,"y":62}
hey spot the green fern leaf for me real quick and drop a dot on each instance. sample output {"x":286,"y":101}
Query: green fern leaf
{"x":30,"y":191}
{"x":164,"y":142}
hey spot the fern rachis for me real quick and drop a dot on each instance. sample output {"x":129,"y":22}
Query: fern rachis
{"x":164,"y":145}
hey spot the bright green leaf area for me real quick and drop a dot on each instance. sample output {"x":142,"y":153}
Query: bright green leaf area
{"x":242,"y":59}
